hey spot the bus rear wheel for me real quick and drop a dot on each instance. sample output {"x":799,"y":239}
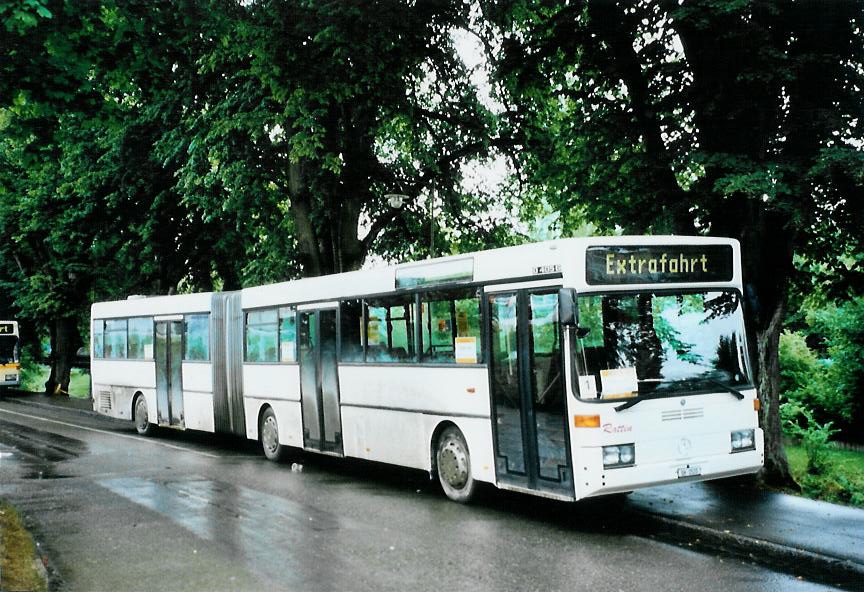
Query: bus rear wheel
{"x":269,"y":431}
{"x":454,"y":466}
{"x":141,"y":417}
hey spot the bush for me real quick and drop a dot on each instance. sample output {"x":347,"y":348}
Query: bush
{"x":843,"y":331}
{"x":828,"y":387}
{"x":807,"y":382}
{"x":32,"y":373}
{"x":815,"y":437}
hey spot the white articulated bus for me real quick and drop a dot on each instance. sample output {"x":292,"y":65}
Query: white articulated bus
{"x":568,"y":369}
{"x":10,"y":365}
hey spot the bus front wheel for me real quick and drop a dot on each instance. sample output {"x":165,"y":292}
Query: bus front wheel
{"x":142,"y":418}
{"x":454,"y":466}
{"x":269,"y":431}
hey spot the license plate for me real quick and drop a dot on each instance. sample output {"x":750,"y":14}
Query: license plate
{"x":689,"y":471}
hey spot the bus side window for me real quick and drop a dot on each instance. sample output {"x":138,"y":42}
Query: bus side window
{"x":262,"y":329}
{"x":115,"y":339}
{"x":141,"y":338}
{"x":351,"y":331}
{"x":98,"y":336}
{"x":450,"y":321}
{"x":390,"y":330}
{"x":197,"y":338}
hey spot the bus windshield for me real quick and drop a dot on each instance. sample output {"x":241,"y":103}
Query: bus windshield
{"x":659,"y":344}
{"x":8,"y":349}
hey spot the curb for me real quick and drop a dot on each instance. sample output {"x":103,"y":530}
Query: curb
{"x":810,"y":565}
{"x":42,"y":405}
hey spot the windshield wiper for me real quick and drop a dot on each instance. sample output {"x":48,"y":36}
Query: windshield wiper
{"x":738,"y":394}
{"x":634,"y":401}
{"x":731,"y":390}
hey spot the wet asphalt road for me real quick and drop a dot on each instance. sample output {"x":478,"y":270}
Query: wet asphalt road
{"x":114,"y":511}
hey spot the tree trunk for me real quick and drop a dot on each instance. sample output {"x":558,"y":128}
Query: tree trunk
{"x":767,"y":253}
{"x":776,"y":471}
{"x":65,"y":341}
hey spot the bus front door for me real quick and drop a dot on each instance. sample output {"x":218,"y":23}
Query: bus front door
{"x":319,"y":381}
{"x":169,"y":375}
{"x":528,"y":395}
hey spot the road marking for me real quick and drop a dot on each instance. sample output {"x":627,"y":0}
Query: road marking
{"x":128,"y":437}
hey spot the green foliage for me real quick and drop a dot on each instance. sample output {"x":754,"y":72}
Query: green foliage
{"x":842,"y":328}
{"x":814,"y":437}
{"x":830,"y":387}
{"x":312,"y":113}
{"x":843,"y":482}
{"x":805,"y":382}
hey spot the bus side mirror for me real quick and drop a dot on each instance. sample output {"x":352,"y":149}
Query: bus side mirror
{"x":568,"y":314}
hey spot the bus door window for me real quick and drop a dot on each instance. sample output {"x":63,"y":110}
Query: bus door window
{"x":546,"y":366}
{"x":505,"y":380}
{"x":287,"y":334}
{"x":548,"y":386}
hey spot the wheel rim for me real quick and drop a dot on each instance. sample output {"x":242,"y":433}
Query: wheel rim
{"x":270,"y":434}
{"x":453,"y":463}
{"x":141,"y":414}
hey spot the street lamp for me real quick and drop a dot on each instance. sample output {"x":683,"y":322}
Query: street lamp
{"x":395,"y":200}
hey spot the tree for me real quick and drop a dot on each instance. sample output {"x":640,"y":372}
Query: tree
{"x":88,"y":209}
{"x":313,"y":112}
{"x":704,"y":116}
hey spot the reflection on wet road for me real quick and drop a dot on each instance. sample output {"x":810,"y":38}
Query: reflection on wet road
{"x":258,"y":527}
{"x":39,"y":450}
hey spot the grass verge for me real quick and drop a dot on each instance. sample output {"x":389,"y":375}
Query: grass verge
{"x":18,"y":569}
{"x":841,"y":482}
{"x":33,"y":378}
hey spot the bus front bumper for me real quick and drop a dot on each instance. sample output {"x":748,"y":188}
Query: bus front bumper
{"x":9,"y":376}
{"x":598,"y":481}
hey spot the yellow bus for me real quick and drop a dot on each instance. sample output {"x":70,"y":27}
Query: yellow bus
{"x":10,"y":365}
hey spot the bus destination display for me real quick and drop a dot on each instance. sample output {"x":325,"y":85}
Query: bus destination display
{"x":658,"y":264}
{"x":7,"y":328}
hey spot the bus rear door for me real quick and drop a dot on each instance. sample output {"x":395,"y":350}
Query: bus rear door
{"x":319,"y":381}
{"x":169,"y":374}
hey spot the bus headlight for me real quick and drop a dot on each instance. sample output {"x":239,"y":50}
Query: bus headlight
{"x":621,"y":455}
{"x":743,"y":440}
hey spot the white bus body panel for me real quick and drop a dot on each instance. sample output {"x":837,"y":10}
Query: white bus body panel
{"x":667,"y":436}
{"x":276,"y":385}
{"x":198,"y":396}
{"x":390,"y":413}
{"x":115,"y":383}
